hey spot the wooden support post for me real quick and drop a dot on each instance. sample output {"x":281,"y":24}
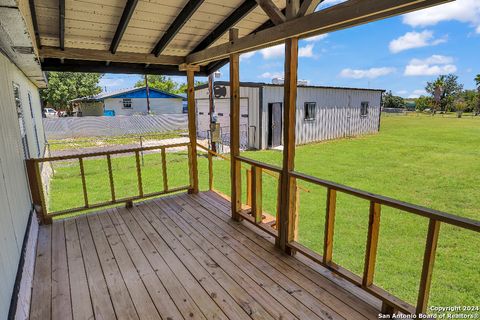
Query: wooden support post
{"x":287,"y":207}
{"x":329,"y":225}
{"x":257,"y":207}
{"x":210,"y":171}
{"x":296,"y":215}
{"x":387,"y":309}
{"x":192,"y":127}
{"x":428,"y":262}
{"x":139,"y":174}
{"x":110,"y":177}
{"x":164,"y":170}
{"x":236,"y":181}
{"x":36,"y":191}
{"x":372,"y":243}
{"x":84,"y":182}
{"x":248,"y":174}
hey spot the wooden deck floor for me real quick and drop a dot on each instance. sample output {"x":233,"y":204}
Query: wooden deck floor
{"x":179,"y":257}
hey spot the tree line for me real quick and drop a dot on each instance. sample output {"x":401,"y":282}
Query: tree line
{"x":445,"y":94}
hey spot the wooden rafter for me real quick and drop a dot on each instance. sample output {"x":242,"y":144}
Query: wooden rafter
{"x":31,"y":4}
{"x":61,"y":23}
{"x":238,"y":14}
{"x":123,"y":24}
{"x":308,"y":6}
{"x":177,"y":24}
{"x":344,"y":15}
{"x":272,"y":11}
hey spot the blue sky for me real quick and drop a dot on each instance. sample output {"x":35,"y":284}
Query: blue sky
{"x":399,"y":54}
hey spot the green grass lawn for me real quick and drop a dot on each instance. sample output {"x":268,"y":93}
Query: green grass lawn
{"x":430,"y":161}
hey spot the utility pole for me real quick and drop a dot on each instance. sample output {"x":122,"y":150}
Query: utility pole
{"x":211,"y":111}
{"x":148,"y":94}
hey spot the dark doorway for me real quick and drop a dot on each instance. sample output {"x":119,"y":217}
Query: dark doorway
{"x":274,"y":138}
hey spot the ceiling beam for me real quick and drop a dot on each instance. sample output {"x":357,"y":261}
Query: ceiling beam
{"x":61,"y":23}
{"x":72,"y":65}
{"x":238,"y":14}
{"x":272,"y":11}
{"x":33,"y":12}
{"x":123,"y":24}
{"x":341,"y":16}
{"x":177,"y":24}
{"x":104,"y":55}
{"x":308,"y":6}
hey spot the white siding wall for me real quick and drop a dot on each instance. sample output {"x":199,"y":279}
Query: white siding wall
{"x":249,"y":104}
{"x":139,"y":106}
{"x":337,"y":112}
{"x":14,"y":192}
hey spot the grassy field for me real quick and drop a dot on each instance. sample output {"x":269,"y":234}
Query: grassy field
{"x":430,"y":161}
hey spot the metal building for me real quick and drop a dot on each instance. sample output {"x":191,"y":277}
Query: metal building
{"x":322,"y":113}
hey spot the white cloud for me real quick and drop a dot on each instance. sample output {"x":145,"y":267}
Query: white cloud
{"x":111,"y":82}
{"x":366,"y":73}
{"x":247,"y":55}
{"x":417,"y":93}
{"x":467,"y":11}
{"x":279,"y":51}
{"x":402,"y":92}
{"x":433,"y":65}
{"x":271,"y":75}
{"x":316,"y":38}
{"x":306,"y":52}
{"x":414,"y":39}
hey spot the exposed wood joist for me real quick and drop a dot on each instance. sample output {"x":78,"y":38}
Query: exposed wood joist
{"x":238,"y":14}
{"x":61,"y":23}
{"x":31,"y":4}
{"x":104,"y":55}
{"x":177,"y":24}
{"x":272,"y":11}
{"x":308,"y":7}
{"x":72,"y":65}
{"x":123,"y":24}
{"x":344,"y":15}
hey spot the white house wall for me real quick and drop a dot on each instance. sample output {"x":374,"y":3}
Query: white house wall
{"x":337,"y":112}
{"x":139,"y":106}
{"x":14,"y":190}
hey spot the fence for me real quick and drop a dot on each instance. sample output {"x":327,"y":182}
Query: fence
{"x":62,"y":128}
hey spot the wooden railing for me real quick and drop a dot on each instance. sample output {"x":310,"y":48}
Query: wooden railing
{"x":39,"y":196}
{"x":366,"y":282}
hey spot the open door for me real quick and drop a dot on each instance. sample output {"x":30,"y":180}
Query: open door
{"x":274,"y":124}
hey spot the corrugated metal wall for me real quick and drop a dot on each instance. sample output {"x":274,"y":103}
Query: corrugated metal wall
{"x":15,"y":203}
{"x":337,"y":112}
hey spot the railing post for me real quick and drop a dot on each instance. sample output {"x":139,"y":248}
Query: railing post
{"x":248,"y":174}
{"x":329,"y":225}
{"x":139,"y":174}
{"x":164,"y":170}
{"x":236,"y":181}
{"x":210,"y":171}
{"x":372,"y":243}
{"x":84,"y":182}
{"x":428,"y":262}
{"x":36,"y":190}
{"x":257,"y":207}
{"x":110,"y":177}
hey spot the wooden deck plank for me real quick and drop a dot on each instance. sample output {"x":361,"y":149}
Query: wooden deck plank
{"x":42,"y":282}
{"x":139,"y":294}
{"x":190,"y":214}
{"x":243,"y":306}
{"x":313,"y":297}
{"x":161,"y":298}
{"x":141,"y":228}
{"x":217,"y":207}
{"x":61,"y":302}
{"x":80,"y":295}
{"x":179,"y":295}
{"x":102,"y":304}
{"x":122,"y":302}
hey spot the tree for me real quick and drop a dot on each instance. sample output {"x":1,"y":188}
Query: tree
{"x":477,"y":81}
{"x":423,"y":103}
{"x":450,"y":89}
{"x":164,"y":83}
{"x":470,"y":98}
{"x":65,"y":86}
{"x":391,"y":101}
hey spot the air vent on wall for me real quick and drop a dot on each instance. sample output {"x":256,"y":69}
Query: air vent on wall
{"x":23,"y":50}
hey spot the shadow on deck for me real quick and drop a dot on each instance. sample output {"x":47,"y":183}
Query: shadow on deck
{"x":179,"y":257}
